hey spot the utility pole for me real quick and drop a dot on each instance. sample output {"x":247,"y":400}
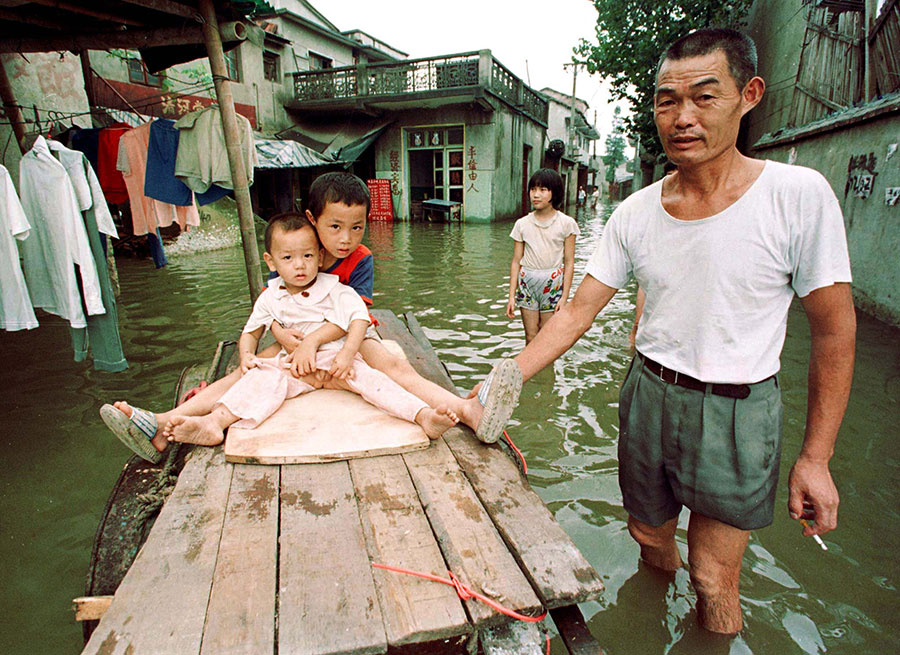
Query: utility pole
{"x":570,"y":135}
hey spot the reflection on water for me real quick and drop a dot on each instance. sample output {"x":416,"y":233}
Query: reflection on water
{"x":60,"y":463}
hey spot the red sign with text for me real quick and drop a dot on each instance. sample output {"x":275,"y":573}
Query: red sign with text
{"x":381,"y":204}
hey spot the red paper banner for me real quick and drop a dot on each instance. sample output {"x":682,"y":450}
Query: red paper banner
{"x":381,"y":204}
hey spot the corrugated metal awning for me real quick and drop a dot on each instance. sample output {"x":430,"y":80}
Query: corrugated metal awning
{"x":276,"y":153}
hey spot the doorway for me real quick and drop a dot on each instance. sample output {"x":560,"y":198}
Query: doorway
{"x":435,"y":158}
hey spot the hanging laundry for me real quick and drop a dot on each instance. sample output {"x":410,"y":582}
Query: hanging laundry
{"x":160,"y":182}
{"x":16,"y":312}
{"x":156,"y":249}
{"x":147,"y":213}
{"x":202,"y":156}
{"x":107,"y":152}
{"x":87,"y":140}
{"x":58,"y":240}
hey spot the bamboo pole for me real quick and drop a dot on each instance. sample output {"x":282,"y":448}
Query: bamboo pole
{"x":13,"y":112}
{"x":232,"y":145}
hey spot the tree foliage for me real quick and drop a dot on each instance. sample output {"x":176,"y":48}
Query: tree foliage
{"x":615,"y":147}
{"x":630,"y":37}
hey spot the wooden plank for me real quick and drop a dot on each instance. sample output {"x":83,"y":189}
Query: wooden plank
{"x":516,"y":638}
{"x":90,"y":608}
{"x":416,"y":611}
{"x":557,"y":570}
{"x":473,"y":549}
{"x":303,"y":431}
{"x":574,"y":631}
{"x":326,"y":595}
{"x":160,"y":607}
{"x":241,"y":616}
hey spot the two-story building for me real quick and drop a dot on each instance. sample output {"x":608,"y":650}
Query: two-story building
{"x":567,"y":122}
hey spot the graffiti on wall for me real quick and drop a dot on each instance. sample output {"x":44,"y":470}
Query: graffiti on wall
{"x":472,"y":165}
{"x":861,"y":175}
{"x":394,"y":157}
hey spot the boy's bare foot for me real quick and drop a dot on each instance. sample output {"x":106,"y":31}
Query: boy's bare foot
{"x":201,"y":430}
{"x":436,"y":421}
{"x":158,"y":441}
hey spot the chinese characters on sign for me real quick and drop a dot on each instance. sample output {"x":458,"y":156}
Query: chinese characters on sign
{"x":472,"y":165}
{"x":861,"y":175}
{"x":179,"y":106}
{"x":395,"y":172}
{"x":381,"y":207}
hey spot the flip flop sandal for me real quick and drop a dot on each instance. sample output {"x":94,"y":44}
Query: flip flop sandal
{"x":499,"y":394}
{"x":135,"y":432}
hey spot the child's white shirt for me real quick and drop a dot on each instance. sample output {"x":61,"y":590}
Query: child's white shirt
{"x":325,"y":301}
{"x":544,"y":240}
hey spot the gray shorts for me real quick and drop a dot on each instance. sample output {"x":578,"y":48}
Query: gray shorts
{"x":717,"y":456}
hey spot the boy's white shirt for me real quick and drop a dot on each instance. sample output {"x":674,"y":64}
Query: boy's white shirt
{"x":325,"y":301}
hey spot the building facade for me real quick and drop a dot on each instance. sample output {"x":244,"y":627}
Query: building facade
{"x":833,"y":104}
{"x":567,"y":122}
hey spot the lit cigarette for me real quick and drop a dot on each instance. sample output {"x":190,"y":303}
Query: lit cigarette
{"x":815,"y":537}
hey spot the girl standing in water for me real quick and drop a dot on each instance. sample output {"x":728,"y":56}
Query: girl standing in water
{"x":543,"y":262}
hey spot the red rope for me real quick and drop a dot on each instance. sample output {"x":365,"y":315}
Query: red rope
{"x":518,"y":452}
{"x":464,"y":592}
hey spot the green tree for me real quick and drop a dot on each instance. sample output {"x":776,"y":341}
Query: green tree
{"x":615,"y":147}
{"x":630,"y":37}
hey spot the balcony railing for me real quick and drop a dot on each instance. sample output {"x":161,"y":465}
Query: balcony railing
{"x":441,"y":75}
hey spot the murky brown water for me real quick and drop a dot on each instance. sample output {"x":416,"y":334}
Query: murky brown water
{"x":60,"y":463}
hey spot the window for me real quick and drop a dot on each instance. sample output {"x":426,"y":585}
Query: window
{"x":319,"y":62}
{"x":270,"y":66}
{"x":137,"y":72}
{"x":233,"y":64}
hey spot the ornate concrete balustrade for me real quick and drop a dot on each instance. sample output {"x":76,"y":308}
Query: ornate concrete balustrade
{"x":469,"y":73}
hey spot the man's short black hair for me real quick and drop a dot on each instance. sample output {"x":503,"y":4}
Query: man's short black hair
{"x":549,"y":179}
{"x":739,"y":49}
{"x":287,"y":222}
{"x":339,"y":187}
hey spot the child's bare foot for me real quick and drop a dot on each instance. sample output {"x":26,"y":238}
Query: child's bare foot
{"x":436,"y":421}
{"x":201,"y":430}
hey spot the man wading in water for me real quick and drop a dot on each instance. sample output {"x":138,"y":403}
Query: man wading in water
{"x":720,"y":247}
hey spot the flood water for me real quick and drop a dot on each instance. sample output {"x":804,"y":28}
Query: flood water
{"x":60,"y":462}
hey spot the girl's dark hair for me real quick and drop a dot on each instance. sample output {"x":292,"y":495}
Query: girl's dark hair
{"x":288,"y":222}
{"x":549,"y":179}
{"x":340,"y":187}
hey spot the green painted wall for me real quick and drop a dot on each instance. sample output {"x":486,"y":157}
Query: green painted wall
{"x":498,"y":137}
{"x":844,"y":156}
{"x":873,"y":227}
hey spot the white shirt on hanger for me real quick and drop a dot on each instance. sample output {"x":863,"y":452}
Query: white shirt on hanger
{"x":58,"y":240}
{"x":87,"y":188}
{"x":15,"y":304}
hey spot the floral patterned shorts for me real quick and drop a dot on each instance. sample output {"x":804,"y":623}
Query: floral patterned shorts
{"x":539,"y":290}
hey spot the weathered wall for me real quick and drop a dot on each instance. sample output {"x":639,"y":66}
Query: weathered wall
{"x":854,"y":157}
{"x":777,"y":27}
{"x":860,"y":169}
{"x":492,"y":150}
{"x":49,"y":81}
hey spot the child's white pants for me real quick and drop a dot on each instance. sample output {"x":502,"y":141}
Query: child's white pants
{"x":262,"y":390}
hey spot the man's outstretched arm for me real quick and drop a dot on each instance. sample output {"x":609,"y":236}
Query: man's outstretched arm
{"x":832,"y":322}
{"x":566,"y":326}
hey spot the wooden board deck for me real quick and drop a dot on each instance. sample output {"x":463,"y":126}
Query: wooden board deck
{"x":303,"y":431}
{"x":248,"y":559}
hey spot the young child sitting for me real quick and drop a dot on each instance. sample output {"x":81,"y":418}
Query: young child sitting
{"x":338,"y":208}
{"x":299,"y":298}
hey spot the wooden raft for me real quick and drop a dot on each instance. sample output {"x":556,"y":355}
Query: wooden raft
{"x":247,"y":558}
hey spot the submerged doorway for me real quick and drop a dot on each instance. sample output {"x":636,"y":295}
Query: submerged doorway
{"x":435,"y":165}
